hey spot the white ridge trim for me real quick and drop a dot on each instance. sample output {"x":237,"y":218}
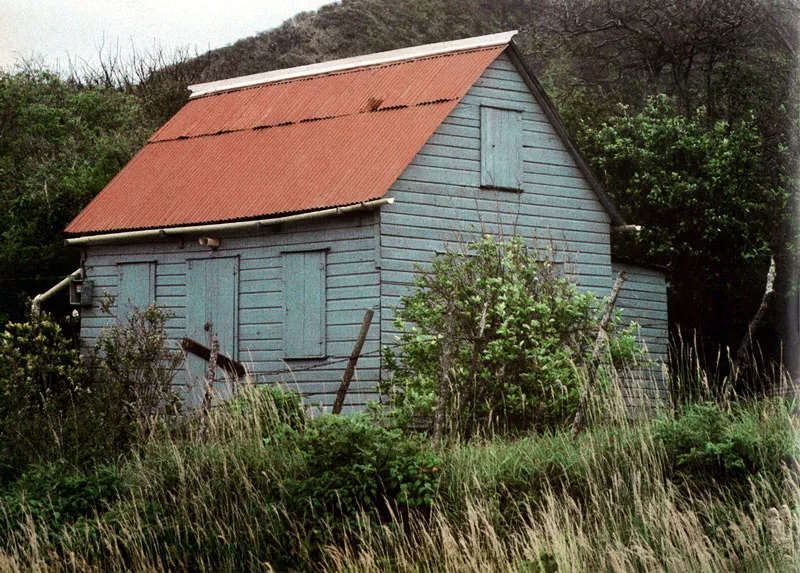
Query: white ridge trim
{"x":355,"y":62}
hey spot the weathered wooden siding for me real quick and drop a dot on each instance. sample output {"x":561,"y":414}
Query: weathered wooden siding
{"x":370,"y":259}
{"x":643,"y":299}
{"x":352,"y":287}
{"x":440,"y":199}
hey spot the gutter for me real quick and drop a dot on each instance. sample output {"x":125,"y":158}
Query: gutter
{"x":36,"y":304}
{"x":222,"y":227}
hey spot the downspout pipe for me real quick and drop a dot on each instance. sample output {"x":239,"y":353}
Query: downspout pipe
{"x":221,"y":227}
{"x":36,"y":304}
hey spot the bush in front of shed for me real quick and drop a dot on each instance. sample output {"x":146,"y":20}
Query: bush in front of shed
{"x":519,"y":333}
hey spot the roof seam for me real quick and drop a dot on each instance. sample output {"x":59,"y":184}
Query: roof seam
{"x":342,"y":72}
{"x":307,"y":120}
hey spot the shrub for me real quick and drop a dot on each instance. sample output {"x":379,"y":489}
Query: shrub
{"x":55,"y":496}
{"x":519,"y":329}
{"x":44,"y":386}
{"x":135,"y":367}
{"x":709,"y":444}
{"x":353,"y":463}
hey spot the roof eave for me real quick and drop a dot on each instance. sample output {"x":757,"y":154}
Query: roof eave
{"x":111,"y":236}
{"x":550,"y":111}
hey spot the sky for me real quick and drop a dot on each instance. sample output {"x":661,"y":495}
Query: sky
{"x":58,"y":31}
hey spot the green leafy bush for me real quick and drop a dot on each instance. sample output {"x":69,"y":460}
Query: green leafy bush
{"x":54,"y":496}
{"x":353,"y":463}
{"x":135,"y":367}
{"x":519,"y":331}
{"x":44,"y":385}
{"x":706,"y":442}
{"x":708,"y":203}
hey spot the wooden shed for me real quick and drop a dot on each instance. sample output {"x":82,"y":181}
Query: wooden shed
{"x":274,"y":209}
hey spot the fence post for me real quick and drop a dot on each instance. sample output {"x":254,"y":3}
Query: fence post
{"x":351,"y":364}
{"x":600,"y":341}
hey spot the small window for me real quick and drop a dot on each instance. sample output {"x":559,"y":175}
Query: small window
{"x":137,"y":287}
{"x":501,"y":148}
{"x":304,"y":304}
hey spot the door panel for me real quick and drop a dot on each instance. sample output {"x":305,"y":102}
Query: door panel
{"x":212,"y":292}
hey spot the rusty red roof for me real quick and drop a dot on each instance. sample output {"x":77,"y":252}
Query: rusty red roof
{"x":331,"y":139}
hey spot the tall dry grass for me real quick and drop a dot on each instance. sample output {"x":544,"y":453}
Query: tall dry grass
{"x":609,"y":501}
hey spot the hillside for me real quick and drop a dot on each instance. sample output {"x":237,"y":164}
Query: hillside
{"x":722,"y":68}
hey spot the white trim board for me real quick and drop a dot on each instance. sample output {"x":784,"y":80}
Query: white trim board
{"x":350,"y":63}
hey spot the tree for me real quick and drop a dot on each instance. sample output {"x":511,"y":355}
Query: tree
{"x":506,"y":334}
{"x":708,"y":203}
{"x":59,"y":145}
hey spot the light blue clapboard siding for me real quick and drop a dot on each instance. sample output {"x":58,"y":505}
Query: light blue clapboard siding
{"x":349,"y":243}
{"x":643,"y":299}
{"x":370,"y":258}
{"x":439,"y":199}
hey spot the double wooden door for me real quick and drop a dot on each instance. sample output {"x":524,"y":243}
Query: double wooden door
{"x":212,"y":293}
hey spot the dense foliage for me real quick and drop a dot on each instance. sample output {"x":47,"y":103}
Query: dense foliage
{"x":59,"y":146}
{"x":43,"y":379}
{"x":269,"y":490}
{"x":519,"y":334}
{"x":57,"y":405}
{"x":706,"y":198}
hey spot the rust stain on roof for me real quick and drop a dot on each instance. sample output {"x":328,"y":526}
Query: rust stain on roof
{"x":289,"y":146}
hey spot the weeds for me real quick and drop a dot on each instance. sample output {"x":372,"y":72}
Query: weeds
{"x":271,"y":489}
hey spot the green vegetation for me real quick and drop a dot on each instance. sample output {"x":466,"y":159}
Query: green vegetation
{"x":56,"y":408}
{"x":59,"y":146}
{"x":519,"y":334}
{"x":706,"y":197}
{"x":348,"y":494}
{"x":119,"y":481}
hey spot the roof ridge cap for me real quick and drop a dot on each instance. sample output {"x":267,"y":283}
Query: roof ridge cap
{"x":365,"y":60}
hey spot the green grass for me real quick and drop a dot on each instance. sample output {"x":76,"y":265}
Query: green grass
{"x":705,"y":489}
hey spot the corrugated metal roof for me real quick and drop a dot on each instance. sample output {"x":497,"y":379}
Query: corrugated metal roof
{"x":295,"y":145}
{"x":403,"y":54}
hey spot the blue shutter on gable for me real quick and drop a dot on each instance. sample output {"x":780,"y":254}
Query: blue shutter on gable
{"x":137,"y":283}
{"x":304,"y":304}
{"x":501,"y":148}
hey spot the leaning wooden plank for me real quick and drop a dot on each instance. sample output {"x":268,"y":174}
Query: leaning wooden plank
{"x":230,"y":366}
{"x":351,"y":364}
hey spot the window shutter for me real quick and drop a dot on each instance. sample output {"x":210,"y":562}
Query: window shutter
{"x":137,"y":287}
{"x":304,"y":304}
{"x":501,"y":148}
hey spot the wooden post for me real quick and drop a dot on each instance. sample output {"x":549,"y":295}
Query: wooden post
{"x":351,"y":364}
{"x":445,"y":361}
{"x":600,"y":341}
{"x":209,"y":390}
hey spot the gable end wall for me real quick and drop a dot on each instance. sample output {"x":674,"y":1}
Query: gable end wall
{"x":439,"y":198}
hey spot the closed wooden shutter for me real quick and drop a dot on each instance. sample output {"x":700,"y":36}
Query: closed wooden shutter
{"x":304,"y":304}
{"x":501,"y":148}
{"x":137,"y":285}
